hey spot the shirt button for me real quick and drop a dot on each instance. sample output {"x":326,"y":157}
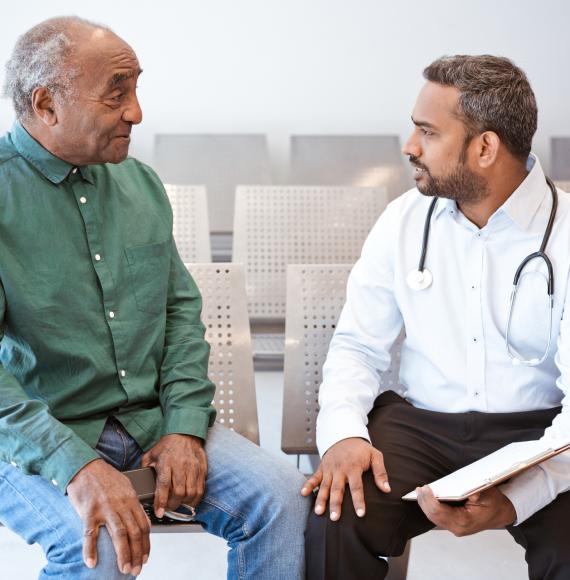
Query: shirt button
{"x":476,"y":393}
{"x":54,"y":482}
{"x":74,"y":170}
{"x":97,"y":257}
{"x":123,"y":373}
{"x":83,"y":199}
{"x":474,"y":339}
{"x":13,"y":464}
{"x":111,"y":314}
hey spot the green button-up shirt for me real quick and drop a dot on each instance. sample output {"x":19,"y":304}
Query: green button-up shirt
{"x":98,"y":315}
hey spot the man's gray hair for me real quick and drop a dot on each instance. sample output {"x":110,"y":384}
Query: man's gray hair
{"x":495,"y":95}
{"x":41,"y":58}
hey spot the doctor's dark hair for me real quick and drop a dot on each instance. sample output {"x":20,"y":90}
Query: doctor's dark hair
{"x":495,"y":95}
{"x":42,"y":58}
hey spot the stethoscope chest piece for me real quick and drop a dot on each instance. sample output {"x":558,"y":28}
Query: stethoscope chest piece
{"x":419,"y":279}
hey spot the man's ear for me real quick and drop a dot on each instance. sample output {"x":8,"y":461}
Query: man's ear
{"x":44,"y":106}
{"x":488,"y":150}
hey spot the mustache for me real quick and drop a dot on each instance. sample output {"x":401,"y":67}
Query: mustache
{"x":414,"y":161}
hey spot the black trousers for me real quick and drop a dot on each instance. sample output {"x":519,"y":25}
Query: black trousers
{"x":420,"y":446}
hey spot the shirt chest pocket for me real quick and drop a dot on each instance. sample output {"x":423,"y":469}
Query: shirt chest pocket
{"x":149,"y":268}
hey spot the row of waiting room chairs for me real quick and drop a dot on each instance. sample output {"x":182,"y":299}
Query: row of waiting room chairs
{"x":222,"y":162}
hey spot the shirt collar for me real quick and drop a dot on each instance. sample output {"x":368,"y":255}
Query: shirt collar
{"x":524,"y":202}
{"x":50,"y":166}
{"x":522,"y":205}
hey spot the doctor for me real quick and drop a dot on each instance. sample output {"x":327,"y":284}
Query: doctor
{"x":466,"y":391}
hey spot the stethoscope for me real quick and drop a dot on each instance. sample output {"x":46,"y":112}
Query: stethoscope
{"x":421,"y":278}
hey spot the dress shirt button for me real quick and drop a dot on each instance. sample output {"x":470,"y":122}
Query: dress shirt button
{"x":83,"y":199}
{"x":474,"y":339}
{"x":54,"y":482}
{"x":13,"y":464}
{"x":74,"y":170}
{"x":476,"y":393}
{"x":478,"y":234}
{"x":97,"y":257}
{"x":473,"y":286}
{"x":123,"y":373}
{"x":111,"y":314}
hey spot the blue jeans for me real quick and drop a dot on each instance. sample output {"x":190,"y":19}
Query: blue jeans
{"x":252,"y":500}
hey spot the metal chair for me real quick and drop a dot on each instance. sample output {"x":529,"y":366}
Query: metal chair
{"x":220,"y":162}
{"x":560,"y":158}
{"x":355,"y":160}
{"x":276,"y":226}
{"x":224,"y":313}
{"x":316,"y":294}
{"x":190,"y":222}
{"x":315,"y":297}
{"x":281,"y":225}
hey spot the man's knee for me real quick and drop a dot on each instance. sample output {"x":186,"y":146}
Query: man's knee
{"x":377,"y":532}
{"x":66,"y":557}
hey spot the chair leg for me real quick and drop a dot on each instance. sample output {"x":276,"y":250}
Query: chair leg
{"x":399,"y":566}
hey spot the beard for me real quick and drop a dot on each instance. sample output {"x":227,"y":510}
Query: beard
{"x":461,"y":184}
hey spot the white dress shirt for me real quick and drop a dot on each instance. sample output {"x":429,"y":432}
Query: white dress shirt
{"x":454,"y":357}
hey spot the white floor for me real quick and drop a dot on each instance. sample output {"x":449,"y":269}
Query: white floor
{"x":434,"y":556}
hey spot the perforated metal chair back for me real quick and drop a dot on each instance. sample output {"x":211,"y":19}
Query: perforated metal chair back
{"x":277,"y":226}
{"x":560,"y":158}
{"x":220,"y":162}
{"x":315,"y":297}
{"x":356,"y":160}
{"x":190,"y":222}
{"x":224,"y":313}
{"x":564,"y":185}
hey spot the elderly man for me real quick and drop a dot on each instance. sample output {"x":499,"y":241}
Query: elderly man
{"x":468,"y":389}
{"x":103,"y":358}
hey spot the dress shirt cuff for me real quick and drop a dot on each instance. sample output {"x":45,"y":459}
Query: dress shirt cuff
{"x":529,"y":492}
{"x":334,"y":427}
{"x":63,"y":464}
{"x":190,"y":421}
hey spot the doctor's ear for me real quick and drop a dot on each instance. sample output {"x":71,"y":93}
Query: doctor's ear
{"x":488,"y":143}
{"x":44,"y":106}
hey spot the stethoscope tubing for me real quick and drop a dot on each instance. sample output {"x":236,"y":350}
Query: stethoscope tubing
{"x":540,"y":254}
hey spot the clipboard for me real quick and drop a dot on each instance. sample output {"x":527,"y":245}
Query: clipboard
{"x":507,"y":462}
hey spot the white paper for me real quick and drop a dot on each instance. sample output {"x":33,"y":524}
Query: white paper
{"x":489,"y":468}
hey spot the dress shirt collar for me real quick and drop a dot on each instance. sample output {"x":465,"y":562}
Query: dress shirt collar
{"x":522,"y":204}
{"x":50,"y":166}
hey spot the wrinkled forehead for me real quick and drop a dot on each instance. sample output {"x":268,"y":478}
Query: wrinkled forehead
{"x":103,"y":57}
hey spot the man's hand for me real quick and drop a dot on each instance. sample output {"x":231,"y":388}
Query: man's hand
{"x":488,"y":510}
{"x":343,"y":463}
{"x":181,"y":469}
{"x":103,"y":496}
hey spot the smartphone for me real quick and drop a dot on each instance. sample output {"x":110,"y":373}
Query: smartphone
{"x":144,"y":481}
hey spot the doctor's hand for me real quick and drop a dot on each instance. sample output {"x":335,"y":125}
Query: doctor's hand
{"x":181,"y":468}
{"x":344,"y":463}
{"x":103,"y":496}
{"x":487,"y":510}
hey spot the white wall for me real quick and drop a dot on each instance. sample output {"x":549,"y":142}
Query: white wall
{"x":311,"y":66}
